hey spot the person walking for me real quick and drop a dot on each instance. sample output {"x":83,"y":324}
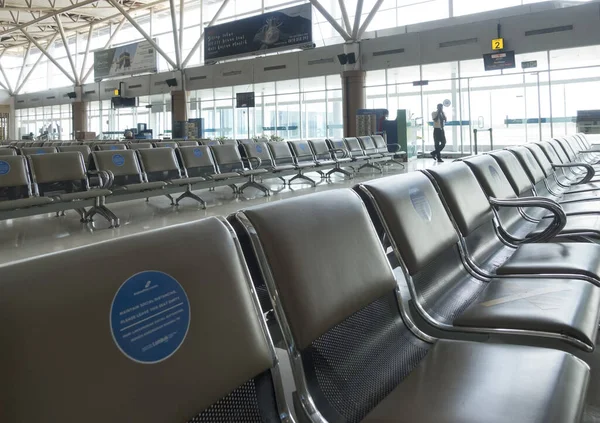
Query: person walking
{"x":439,"y":137}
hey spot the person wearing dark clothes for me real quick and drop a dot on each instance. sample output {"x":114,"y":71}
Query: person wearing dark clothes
{"x":439,"y":137}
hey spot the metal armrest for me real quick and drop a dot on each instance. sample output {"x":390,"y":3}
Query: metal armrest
{"x":590,"y":172}
{"x":398,"y":147}
{"x":257,"y":160}
{"x":106,"y":177}
{"x":336,"y":150}
{"x":558,"y":222}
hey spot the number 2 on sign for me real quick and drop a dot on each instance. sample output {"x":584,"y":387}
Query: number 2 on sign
{"x":498,"y":44}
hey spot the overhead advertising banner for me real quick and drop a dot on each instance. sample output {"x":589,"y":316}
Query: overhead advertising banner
{"x":279,"y":30}
{"x":129,"y":59}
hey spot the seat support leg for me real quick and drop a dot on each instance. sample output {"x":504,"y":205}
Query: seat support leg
{"x":234,"y":188}
{"x":190,"y":194}
{"x":170,"y":197}
{"x":254,"y":184}
{"x":371,"y":166}
{"x":304,"y":177}
{"x":350,"y":175}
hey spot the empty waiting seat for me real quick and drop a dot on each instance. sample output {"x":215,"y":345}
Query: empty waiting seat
{"x":187,"y":143}
{"x":197,"y":161}
{"x":28,"y":151}
{"x":230,"y":164}
{"x":16,"y":190}
{"x":8,"y":151}
{"x":357,"y":361}
{"x":140,"y":145}
{"x":206,"y":357}
{"x":304,"y":160}
{"x":125,"y":170}
{"x":325,"y":156}
{"x":105,"y":147}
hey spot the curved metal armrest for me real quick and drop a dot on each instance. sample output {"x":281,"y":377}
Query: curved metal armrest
{"x":106,"y":177}
{"x":255,"y":159}
{"x":339,"y":150}
{"x":558,"y":222}
{"x":397,"y":147}
{"x":590,"y":172}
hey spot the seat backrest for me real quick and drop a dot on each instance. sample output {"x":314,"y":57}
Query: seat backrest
{"x":321,"y":149}
{"x":302,"y":151}
{"x":336,"y":297}
{"x":530,"y":164}
{"x":490,"y":176}
{"x":281,"y":153}
{"x":15,"y":181}
{"x":124,"y":165}
{"x":8,"y":151}
{"x":354,"y":146}
{"x":258,"y":150}
{"x":248,"y":141}
{"x":550,"y":153}
{"x":368,"y":145}
{"x":197,"y":161}
{"x":187,"y":143}
{"x":170,"y":144}
{"x":229,"y":142}
{"x":83,"y":149}
{"x":28,"y":151}
{"x":417,"y":221}
{"x":541,"y":159}
{"x":227,"y":158}
{"x":514,"y":172}
{"x":159,"y":164}
{"x":113,"y":147}
{"x":380,"y":143}
{"x":559,"y":151}
{"x":463,"y":195}
{"x":573,"y":156}
{"x":140,"y":145}
{"x":38,"y":143}
{"x":60,"y":172}
{"x":178,"y":346}
{"x":210,"y":142}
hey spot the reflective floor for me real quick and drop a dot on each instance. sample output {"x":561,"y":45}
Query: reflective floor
{"x":31,"y":236}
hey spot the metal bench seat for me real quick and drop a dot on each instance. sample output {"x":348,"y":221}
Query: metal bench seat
{"x":24,"y":203}
{"x":356,"y":354}
{"x":450,"y":296}
{"x":229,"y":162}
{"x":171,"y":350}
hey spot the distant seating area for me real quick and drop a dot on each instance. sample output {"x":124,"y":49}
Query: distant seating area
{"x":105,"y":172}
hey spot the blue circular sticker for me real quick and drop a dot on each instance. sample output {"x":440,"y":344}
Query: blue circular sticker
{"x":340,"y":143}
{"x":4,"y":167}
{"x":303,"y":147}
{"x":197,"y":152}
{"x":118,"y":160}
{"x":113,"y":147}
{"x":259,"y":149}
{"x":420,"y":204}
{"x":150,"y":317}
{"x":40,"y":151}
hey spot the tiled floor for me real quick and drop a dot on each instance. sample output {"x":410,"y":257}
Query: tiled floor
{"x":31,"y":236}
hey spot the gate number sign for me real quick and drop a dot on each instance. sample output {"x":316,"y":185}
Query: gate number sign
{"x":498,"y":44}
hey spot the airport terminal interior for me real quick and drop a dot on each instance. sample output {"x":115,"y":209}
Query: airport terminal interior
{"x":299,"y":211}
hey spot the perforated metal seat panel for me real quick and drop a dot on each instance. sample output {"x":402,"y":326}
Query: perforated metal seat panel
{"x":356,"y":364}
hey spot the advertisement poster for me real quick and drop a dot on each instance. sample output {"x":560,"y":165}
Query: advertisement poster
{"x":281,"y":29}
{"x":129,"y":59}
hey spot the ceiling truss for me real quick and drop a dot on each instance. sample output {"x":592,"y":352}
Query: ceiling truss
{"x":37,"y":24}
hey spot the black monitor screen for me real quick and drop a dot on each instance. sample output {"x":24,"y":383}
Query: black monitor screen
{"x":244,"y":100}
{"x":122,"y":102}
{"x":499,"y":60}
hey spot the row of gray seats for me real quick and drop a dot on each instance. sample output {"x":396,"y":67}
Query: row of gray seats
{"x":136,"y":173}
{"x":379,"y":318}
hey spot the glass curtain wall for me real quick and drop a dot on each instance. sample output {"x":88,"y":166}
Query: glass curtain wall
{"x":55,"y":120}
{"x":519,"y":105}
{"x":294,"y":109}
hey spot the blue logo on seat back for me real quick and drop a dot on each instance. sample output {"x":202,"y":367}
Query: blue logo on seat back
{"x":302,"y":147}
{"x":259,"y":149}
{"x":494,"y":173}
{"x":150,"y":317}
{"x":113,"y":147}
{"x":40,"y":151}
{"x":198,"y":152}
{"x":118,"y":160}
{"x":4,"y":167}
{"x":420,"y":203}
{"x":340,"y":143}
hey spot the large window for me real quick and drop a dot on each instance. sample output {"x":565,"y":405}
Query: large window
{"x":293,"y":109}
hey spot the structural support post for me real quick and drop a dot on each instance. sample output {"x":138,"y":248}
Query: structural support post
{"x":359,"y":7}
{"x":107,"y":45}
{"x":37,"y":62}
{"x":175,"y":33}
{"x":368,"y":20}
{"x":214,"y":19}
{"x":181,"y":2}
{"x":85,"y":55}
{"x":178,"y":110}
{"x":142,"y":32}
{"x":345,"y":16}
{"x":353,"y":98}
{"x":8,"y":87}
{"x":331,"y":20}
{"x":66,"y":44}
{"x":43,"y":50}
